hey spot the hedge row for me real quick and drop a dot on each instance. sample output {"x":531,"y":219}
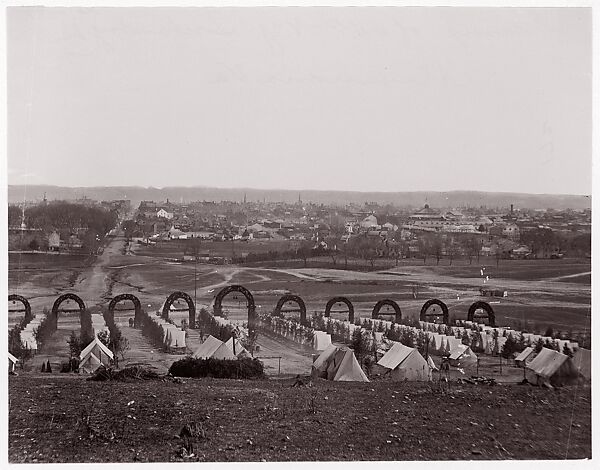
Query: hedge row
{"x":218,"y":368}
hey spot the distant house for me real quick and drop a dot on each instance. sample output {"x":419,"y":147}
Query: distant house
{"x":54,"y":241}
{"x":511,"y":231}
{"x":164,"y":214}
{"x":521,"y":252}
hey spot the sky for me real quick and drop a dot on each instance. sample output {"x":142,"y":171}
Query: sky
{"x":357,"y":99}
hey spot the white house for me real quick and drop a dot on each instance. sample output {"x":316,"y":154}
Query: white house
{"x":164,"y":214}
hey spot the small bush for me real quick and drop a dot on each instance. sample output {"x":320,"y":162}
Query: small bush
{"x":219,"y":368}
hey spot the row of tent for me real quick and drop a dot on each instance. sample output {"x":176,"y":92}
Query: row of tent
{"x":216,"y":349}
{"x":400,"y":363}
{"x":550,"y":367}
{"x":173,"y":336}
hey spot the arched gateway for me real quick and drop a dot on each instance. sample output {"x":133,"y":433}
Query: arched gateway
{"x":122,"y":297}
{"x":291,"y":298}
{"x":26,"y":305}
{"x":218,"y":307}
{"x":487,"y":308}
{"x":65,"y":297}
{"x":427,"y":315}
{"x":341,"y":300}
{"x":191,"y":307}
{"x":379,"y":305}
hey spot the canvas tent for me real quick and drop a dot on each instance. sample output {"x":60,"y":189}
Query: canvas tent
{"x":338,"y":364}
{"x":215,"y":348}
{"x":236,"y":348}
{"x":462,"y":356}
{"x":431,"y":363}
{"x":525,"y":357}
{"x":12,"y":362}
{"x":405,"y":364}
{"x":174,"y":337}
{"x":552,"y":367}
{"x":94,"y":355}
{"x":582,"y":358}
{"x":452,"y":342}
{"x":321,"y":340}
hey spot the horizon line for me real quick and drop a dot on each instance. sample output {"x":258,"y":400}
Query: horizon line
{"x":239,"y":188}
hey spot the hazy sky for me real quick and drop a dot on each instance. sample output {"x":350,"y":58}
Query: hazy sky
{"x":385,"y":99}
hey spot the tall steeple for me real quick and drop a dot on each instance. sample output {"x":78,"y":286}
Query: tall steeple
{"x":244,"y":198}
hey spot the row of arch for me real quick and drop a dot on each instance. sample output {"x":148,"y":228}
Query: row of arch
{"x":425,"y":314}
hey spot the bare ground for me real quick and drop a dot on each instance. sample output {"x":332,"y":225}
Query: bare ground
{"x":62,"y":418}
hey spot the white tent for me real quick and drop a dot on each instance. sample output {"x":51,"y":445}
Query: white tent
{"x":321,"y":340}
{"x":552,"y":367}
{"x":436,"y":342}
{"x":452,"y":342}
{"x":484,"y":342}
{"x":525,"y":357}
{"x":208,"y":347}
{"x":406,"y":363}
{"x":582,"y":358}
{"x":12,"y":362}
{"x":90,"y":363}
{"x":339,"y":364}
{"x":174,"y":337}
{"x":349,"y":369}
{"x":431,"y":363}
{"x":223,"y":352}
{"x":238,"y":350}
{"x":93,"y":355}
{"x":462,"y":356}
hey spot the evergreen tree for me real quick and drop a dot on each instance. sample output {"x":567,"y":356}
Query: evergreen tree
{"x":539,"y":345}
{"x":465,"y":338}
{"x":509,"y":348}
{"x":74,"y":344}
{"x":566,"y":350}
{"x":406,"y":339}
{"x":43,"y":367}
{"x":358,"y":344}
{"x":48,"y":367}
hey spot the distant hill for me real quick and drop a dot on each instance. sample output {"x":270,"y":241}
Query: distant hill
{"x":409,"y":199}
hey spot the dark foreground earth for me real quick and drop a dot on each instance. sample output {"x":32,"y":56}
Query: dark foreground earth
{"x":63,"y":418}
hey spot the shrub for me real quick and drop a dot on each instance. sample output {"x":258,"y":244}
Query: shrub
{"x":219,"y":368}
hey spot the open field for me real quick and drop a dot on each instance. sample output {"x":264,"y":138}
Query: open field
{"x":67,"y":419}
{"x":541,"y":292}
{"x":552,"y":295}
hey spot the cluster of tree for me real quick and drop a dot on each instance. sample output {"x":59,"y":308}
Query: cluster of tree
{"x":543,"y":242}
{"x":45,"y":329}
{"x":64,"y":215}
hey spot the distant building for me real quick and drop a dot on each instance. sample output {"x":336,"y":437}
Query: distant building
{"x":511,"y":231}
{"x":54,"y":241}
{"x":164,"y":214}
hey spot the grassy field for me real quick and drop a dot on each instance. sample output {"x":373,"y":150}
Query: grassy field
{"x":61,"y":418}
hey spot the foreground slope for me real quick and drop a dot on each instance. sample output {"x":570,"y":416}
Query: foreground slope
{"x":63,"y":418}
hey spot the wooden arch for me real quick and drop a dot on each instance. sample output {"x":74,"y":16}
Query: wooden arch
{"x":64,"y":297}
{"x":342,"y":300}
{"x":426,"y":316}
{"x":191,"y":307}
{"x":391,"y":303}
{"x":24,"y":301}
{"x":491,"y":316}
{"x":120,"y":298}
{"x":291,"y":298}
